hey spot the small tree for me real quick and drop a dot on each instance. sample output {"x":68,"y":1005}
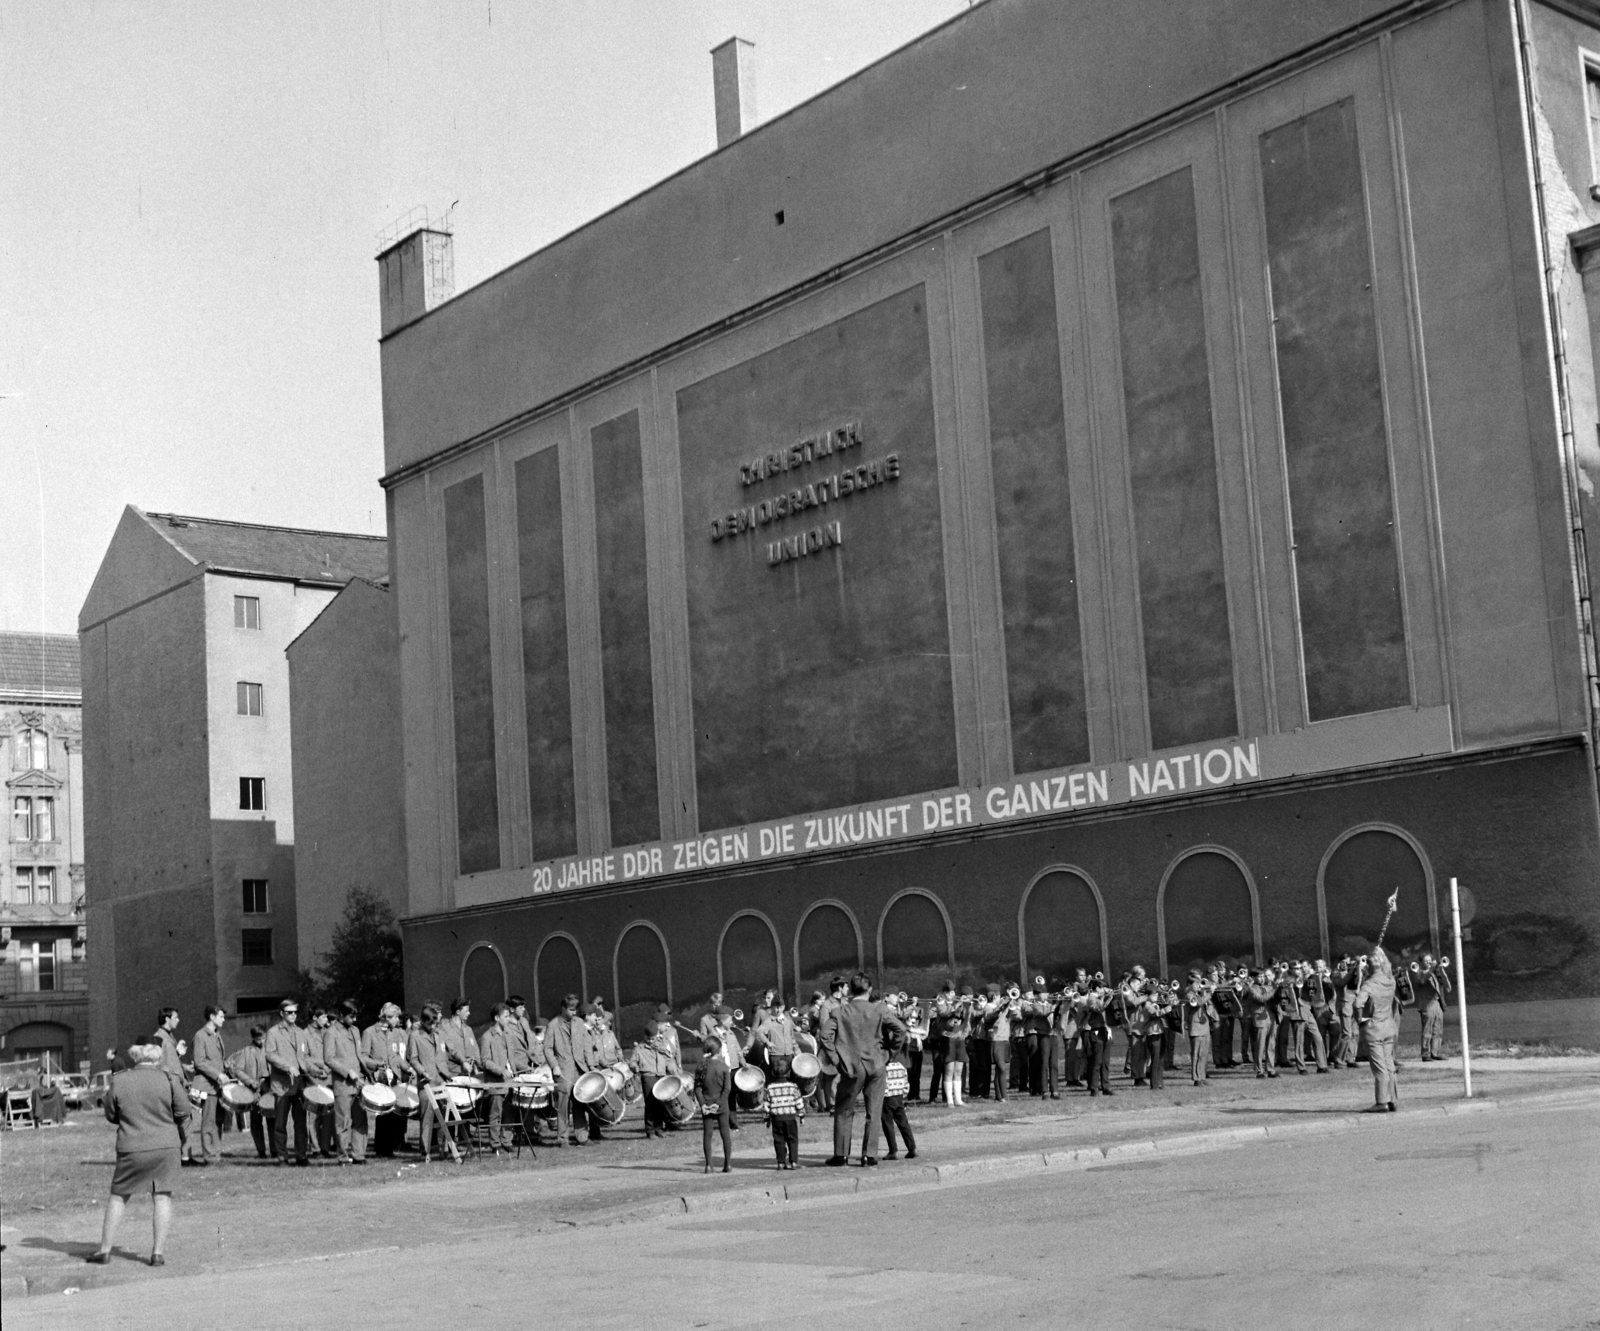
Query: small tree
{"x":364,"y":961}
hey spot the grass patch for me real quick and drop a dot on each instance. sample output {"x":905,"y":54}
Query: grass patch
{"x":1524,"y":1049}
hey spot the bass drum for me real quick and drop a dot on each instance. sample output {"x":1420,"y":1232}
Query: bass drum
{"x":749,"y":1088}
{"x":592,"y":1089}
{"x":676,"y":1097}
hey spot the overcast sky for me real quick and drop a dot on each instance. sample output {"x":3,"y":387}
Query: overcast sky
{"x":190,"y":195}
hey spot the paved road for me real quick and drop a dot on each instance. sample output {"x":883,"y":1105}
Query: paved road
{"x":1407,"y":1221}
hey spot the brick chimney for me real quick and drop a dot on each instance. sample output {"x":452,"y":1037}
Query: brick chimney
{"x":415,"y":274}
{"x":734,"y":84}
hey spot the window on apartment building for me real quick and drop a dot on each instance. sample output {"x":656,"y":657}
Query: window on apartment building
{"x":248,"y":1004}
{"x":30,"y":751}
{"x":255,"y":947}
{"x":252,"y":792}
{"x":36,"y":885}
{"x":255,"y":896}
{"x":36,"y":968}
{"x":249,"y":699}
{"x":247,"y":612}
{"x":33,"y":818}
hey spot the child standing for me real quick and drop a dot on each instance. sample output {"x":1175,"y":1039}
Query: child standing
{"x":896,"y":1086}
{"x":712,"y":1085}
{"x":785,"y":1110}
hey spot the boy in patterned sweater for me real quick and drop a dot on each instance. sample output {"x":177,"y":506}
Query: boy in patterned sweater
{"x":896,"y":1086}
{"x":785,"y":1109}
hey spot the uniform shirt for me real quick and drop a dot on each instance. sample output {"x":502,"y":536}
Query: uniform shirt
{"x":287,"y":1053}
{"x":519,"y":1041}
{"x":607,"y":1048}
{"x":210,"y":1057}
{"x":1199,"y":1011}
{"x":494,"y":1051}
{"x":1377,"y":996}
{"x":341,"y":1052}
{"x":170,"y":1062}
{"x":249,"y":1066}
{"x":147,"y":1105}
{"x":1256,"y":1000}
{"x":999,"y":1022}
{"x":568,"y":1048}
{"x":460,"y":1041}
{"x":312,"y":1062}
{"x":428,"y":1057}
{"x":383,"y":1047}
{"x":657,"y":1056}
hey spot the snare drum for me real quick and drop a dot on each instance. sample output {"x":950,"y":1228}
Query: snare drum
{"x":377,"y":1098}
{"x":406,"y":1099}
{"x":592,"y":1089}
{"x":616,"y":1078}
{"x":319,"y":1096}
{"x":530,"y":1091}
{"x":199,"y":1093}
{"x":464,"y":1092}
{"x":805,"y":1069}
{"x":236,"y":1095}
{"x":749,"y":1088}
{"x":676,"y":1097}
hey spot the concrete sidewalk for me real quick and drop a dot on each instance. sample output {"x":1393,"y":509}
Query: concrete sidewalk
{"x":406,"y":1207}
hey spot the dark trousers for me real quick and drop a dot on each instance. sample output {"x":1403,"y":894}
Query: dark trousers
{"x":1433,"y":1029}
{"x":786,"y":1138}
{"x":1034,"y":1046}
{"x":388,"y":1133}
{"x":349,"y":1119}
{"x":894,"y":1116}
{"x":1199,"y":1055}
{"x":571,"y":1114}
{"x":1261,"y":1048}
{"x":869,"y":1085}
{"x":710,"y":1126}
{"x":978,"y":1069}
{"x":655,"y":1113}
{"x":494,"y":1109}
{"x":1055,"y":1063}
{"x":915,"y":1074}
{"x":1222,"y":1042}
{"x":827,"y":1085}
{"x":936,"y":1080}
{"x":1147,"y":1058}
{"x":999,"y":1066}
{"x":1095,"y":1044}
{"x":289,"y":1103}
{"x":261,"y":1133}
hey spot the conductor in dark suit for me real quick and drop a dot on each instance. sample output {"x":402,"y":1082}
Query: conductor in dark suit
{"x":852,"y":1038}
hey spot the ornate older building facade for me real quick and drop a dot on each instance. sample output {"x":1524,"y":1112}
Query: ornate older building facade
{"x":44,"y":990}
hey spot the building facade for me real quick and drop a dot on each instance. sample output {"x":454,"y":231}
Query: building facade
{"x":1075,"y":493}
{"x":189,"y":810}
{"x":349,"y":785}
{"x":44,"y":999}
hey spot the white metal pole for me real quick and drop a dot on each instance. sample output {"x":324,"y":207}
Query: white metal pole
{"x":1461,"y":987}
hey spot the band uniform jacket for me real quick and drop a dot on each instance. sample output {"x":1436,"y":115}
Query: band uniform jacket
{"x":1292,"y":1005}
{"x":1198,"y":1015}
{"x":775,"y":1031}
{"x":312,"y":1062}
{"x":1256,"y":1001}
{"x":494,"y":1053}
{"x":460,"y":1043}
{"x":384,"y":1047}
{"x":171,"y":1063}
{"x":854,"y":1036}
{"x":520,"y":1043}
{"x":428,"y":1056}
{"x":149,"y":1108}
{"x":1377,"y":998}
{"x":249,"y":1066}
{"x":607,"y":1048}
{"x":657,"y":1056}
{"x":288,"y":1054}
{"x":568,"y":1048}
{"x":210,"y":1056}
{"x":825,"y":1010}
{"x":341,"y":1052}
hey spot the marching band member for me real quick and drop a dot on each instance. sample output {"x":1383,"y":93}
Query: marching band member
{"x":1256,"y":998}
{"x":318,"y":1074}
{"x":772,"y":1034}
{"x":249,"y":1066}
{"x":341,"y":1053}
{"x":707,"y":1029}
{"x":495,"y":1055}
{"x":713,"y":1087}
{"x":1003,"y":1010}
{"x":826,"y":1006}
{"x":429,"y":1059}
{"x":521,"y":1035}
{"x":938,"y":1042}
{"x":655,"y":1057}
{"x":570,"y":1053}
{"x":288,"y":1052}
{"x":1094,"y":1023}
{"x":1293,"y":1014}
{"x":459,"y":1039}
{"x":210,"y":1060}
{"x":918,"y":1030}
{"x":1436,"y":984}
{"x":383,"y":1058}
{"x":1198,"y":1014}
{"x":1346,"y":980}
{"x":1059,"y":1045}
{"x":1378,"y":1009}
{"x":1147,"y":1026}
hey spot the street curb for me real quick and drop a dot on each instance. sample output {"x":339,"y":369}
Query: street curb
{"x":981,"y":1169}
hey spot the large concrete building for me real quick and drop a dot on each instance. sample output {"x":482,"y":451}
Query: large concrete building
{"x":44,"y":990}
{"x":1080,"y":491}
{"x":189,"y":812}
{"x":349,"y":784}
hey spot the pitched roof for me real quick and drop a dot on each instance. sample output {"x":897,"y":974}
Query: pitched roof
{"x":276,"y":552}
{"x":42,"y":665}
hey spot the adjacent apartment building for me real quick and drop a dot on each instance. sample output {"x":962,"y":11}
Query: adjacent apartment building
{"x":1079,"y":492}
{"x":44,"y":1001}
{"x":189,"y":814}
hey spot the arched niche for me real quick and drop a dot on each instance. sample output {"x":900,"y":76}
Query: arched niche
{"x":1061,"y":925}
{"x":1207,"y":907}
{"x":641,"y":977}
{"x":483,"y":980}
{"x":749,"y":960}
{"x":558,"y":970}
{"x":916,"y":943}
{"x":827,"y":941}
{"x":1359,"y":870}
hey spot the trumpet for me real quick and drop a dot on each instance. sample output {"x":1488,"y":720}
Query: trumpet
{"x":1442,"y":964}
